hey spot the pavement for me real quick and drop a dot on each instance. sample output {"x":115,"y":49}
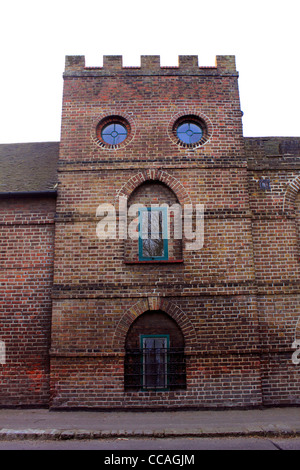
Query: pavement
{"x":54,"y":425}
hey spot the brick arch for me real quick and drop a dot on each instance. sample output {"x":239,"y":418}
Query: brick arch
{"x":290,"y":194}
{"x":155,"y":303}
{"x":155,"y":175}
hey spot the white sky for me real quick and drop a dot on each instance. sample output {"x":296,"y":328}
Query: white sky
{"x":35,"y":36}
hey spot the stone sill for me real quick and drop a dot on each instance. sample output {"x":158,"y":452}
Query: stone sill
{"x":165,"y":261}
{"x":64,"y":353}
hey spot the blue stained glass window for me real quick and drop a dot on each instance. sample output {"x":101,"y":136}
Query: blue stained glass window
{"x":189,"y":132}
{"x":114,"y":133}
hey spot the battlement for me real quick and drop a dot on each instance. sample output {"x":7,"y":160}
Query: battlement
{"x":150,"y":64}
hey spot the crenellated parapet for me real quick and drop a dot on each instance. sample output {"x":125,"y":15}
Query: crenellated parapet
{"x":150,"y":65}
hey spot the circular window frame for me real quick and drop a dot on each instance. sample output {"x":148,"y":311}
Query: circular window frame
{"x":117,"y":136}
{"x":200,"y":120}
{"x":104,"y":122}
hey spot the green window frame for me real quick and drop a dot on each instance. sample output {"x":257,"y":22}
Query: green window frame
{"x":153,"y":233}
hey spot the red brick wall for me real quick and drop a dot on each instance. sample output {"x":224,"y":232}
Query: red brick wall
{"x":211,"y":293}
{"x":275,"y":212}
{"x":211,"y":382}
{"x":297,"y":208}
{"x":26,"y":254}
{"x":235,"y":301}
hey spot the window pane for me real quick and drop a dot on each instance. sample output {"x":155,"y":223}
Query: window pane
{"x":189,"y":132}
{"x":155,"y":362}
{"x":183,"y":127}
{"x":120,"y":129}
{"x":195,"y":128}
{"x":114,"y":133}
{"x":153,"y":248}
{"x":152,"y":234}
{"x":184,"y":138}
{"x":108,"y":139}
{"x":156,"y":225}
{"x":195,"y":137}
{"x":108,"y":129}
{"x":119,"y":138}
{"x":153,"y":243}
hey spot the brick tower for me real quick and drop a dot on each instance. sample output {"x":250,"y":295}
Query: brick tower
{"x":163,"y":321}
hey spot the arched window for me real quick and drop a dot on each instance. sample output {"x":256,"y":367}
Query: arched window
{"x":154,"y":358}
{"x":155,"y":213}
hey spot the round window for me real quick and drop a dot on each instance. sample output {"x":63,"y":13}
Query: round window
{"x":189,"y":132}
{"x":114,"y":133}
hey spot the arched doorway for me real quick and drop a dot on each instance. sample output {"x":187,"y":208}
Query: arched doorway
{"x":154,"y":358}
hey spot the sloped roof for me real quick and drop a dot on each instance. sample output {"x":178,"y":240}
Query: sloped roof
{"x":272,"y":152}
{"x":28,"y":167}
{"x":32,"y":167}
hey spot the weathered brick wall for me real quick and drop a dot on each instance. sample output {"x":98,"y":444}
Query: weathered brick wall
{"x":297,"y":220}
{"x":215,"y":381}
{"x":150,"y":98}
{"x":275,"y":209}
{"x":26,"y":254}
{"x":210,"y":293}
{"x":235,"y":301}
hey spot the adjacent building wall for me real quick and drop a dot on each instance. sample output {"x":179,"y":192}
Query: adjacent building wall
{"x":26,"y":276}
